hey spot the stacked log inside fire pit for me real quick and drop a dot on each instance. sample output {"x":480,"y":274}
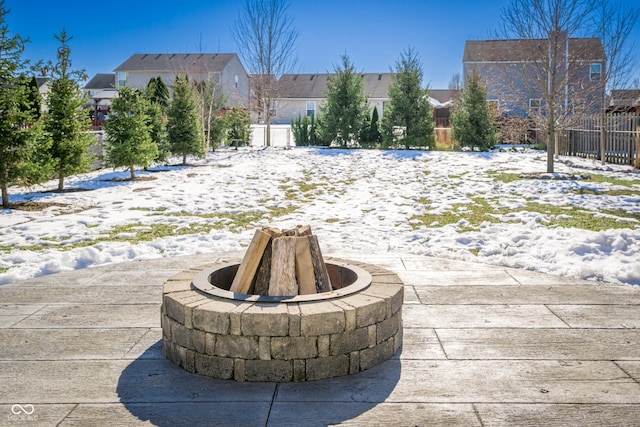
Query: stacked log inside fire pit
{"x":282,"y":263}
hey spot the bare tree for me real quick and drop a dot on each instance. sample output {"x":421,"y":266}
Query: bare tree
{"x":545,"y":27}
{"x":614,"y":23}
{"x":456,"y":82}
{"x":266,"y":38}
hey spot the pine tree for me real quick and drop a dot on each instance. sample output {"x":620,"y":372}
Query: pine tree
{"x":472,"y":120}
{"x":183,"y":129}
{"x":23,"y":152}
{"x":34,"y":99}
{"x":407,"y":119}
{"x":128,"y":142}
{"x":158,"y":92}
{"x":371,"y":136}
{"x":238,"y":125}
{"x":157,"y":127}
{"x":67,"y":122}
{"x":345,"y":108}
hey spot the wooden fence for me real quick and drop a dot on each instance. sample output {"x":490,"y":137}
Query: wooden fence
{"x":622,"y":141}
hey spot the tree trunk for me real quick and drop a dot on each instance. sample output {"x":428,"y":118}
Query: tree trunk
{"x":5,"y":195}
{"x":551,"y":132}
{"x":60,"y":181}
{"x":184,"y":160}
{"x":132,"y":172}
{"x":268,"y":142}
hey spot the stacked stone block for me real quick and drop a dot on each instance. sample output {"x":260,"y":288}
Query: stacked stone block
{"x":280,"y":341}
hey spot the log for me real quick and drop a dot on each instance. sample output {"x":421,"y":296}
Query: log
{"x":323,"y":284}
{"x":260,"y":283}
{"x":283,"y":267}
{"x":249,"y":265}
{"x":304,"y":267}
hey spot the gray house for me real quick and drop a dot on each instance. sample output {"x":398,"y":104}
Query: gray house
{"x":302,"y":94}
{"x":225,"y":68}
{"x":514,"y":72}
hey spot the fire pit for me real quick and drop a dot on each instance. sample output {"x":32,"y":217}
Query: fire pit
{"x":210,"y":330}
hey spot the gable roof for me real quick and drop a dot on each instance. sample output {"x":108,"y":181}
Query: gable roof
{"x":102,"y":81}
{"x":376,"y":85}
{"x":518,"y":50}
{"x":176,"y":62}
{"x":625,"y":97}
{"x":444,"y":95}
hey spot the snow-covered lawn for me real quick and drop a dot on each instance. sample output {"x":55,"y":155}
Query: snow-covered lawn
{"x":466,"y":206}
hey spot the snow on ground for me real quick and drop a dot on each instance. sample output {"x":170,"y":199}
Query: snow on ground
{"x":355,"y":201}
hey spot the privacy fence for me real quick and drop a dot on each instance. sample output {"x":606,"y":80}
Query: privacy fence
{"x":622,"y":138}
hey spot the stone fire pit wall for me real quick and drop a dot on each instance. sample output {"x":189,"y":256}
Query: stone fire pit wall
{"x":278,"y":341}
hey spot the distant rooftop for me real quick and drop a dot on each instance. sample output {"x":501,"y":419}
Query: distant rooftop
{"x":176,"y":62}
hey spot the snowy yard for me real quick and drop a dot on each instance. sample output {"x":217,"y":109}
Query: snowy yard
{"x":466,"y":206}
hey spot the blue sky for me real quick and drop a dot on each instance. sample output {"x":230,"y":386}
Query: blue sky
{"x":372,"y":33}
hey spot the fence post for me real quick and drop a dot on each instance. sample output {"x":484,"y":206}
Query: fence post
{"x":637,"y":165}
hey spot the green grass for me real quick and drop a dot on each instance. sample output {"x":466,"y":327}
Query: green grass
{"x":138,"y":232}
{"x":481,"y":210}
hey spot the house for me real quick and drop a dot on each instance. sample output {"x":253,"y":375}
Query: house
{"x":511,"y":70}
{"x":100,"y":90}
{"x":302,"y":94}
{"x":224,"y":68}
{"x":624,"y":100}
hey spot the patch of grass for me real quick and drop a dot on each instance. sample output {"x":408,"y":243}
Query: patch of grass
{"x":614,"y":181}
{"x":503,"y":176}
{"x":594,"y":192}
{"x":332,"y":220}
{"x":480,"y":210}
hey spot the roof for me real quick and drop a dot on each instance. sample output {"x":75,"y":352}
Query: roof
{"x":444,"y":95}
{"x":518,"y":50}
{"x":176,"y":62}
{"x":625,"y":97}
{"x":376,"y":85}
{"x":102,"y":81}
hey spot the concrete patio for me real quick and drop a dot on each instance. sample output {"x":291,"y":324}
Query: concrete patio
{"x":483,"y":346}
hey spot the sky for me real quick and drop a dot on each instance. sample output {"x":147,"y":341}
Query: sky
{"x":356,"y":201}
{"x":372,"y":33}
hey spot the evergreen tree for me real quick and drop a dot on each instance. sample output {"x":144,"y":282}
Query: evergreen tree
{"x":183,"y":129}
{"x":371,"y":136}
{"x":472,"y":120}
{"x":300,"y":129}
{"x":157,"y":95}
{"x":158,"y":92}
{"x":407,"y":118}
{"x":157,"y":127}
{"x":238,"y":126}
{"x":128,"y":142}
{"x":345,"y":108}
{"x":67,"y":122}
{"x":34,"y":99}
{"x":23,"y":152}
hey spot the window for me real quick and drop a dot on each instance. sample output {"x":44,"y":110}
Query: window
{"x":122,"y":79}
{"x":214,"y":76}
{"x":534,"y":104}
{"x":311,"y":108}
{"x":236,"y":80}
{"x":273,"y":108}
{"x":595,"y":72}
